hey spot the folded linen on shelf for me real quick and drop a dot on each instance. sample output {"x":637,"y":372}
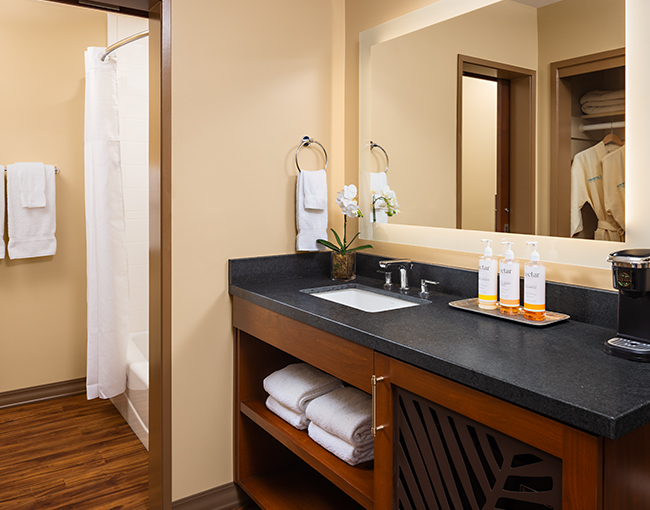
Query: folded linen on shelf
{"x":603,"y":95}
{"x":296,"y":385}
{"x":345,"y":451}
{"x":297,"y":420}
{"x":345,"y":413}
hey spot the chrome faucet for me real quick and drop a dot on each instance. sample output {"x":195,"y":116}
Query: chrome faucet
{"x":404,"y":266}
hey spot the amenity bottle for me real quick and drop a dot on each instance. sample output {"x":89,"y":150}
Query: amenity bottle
{"x":487,"y":278}
{"x":534,"y":287}
{"x":509,"y":282}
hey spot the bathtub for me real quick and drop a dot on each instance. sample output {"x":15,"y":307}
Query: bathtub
{"x":133,"y":404}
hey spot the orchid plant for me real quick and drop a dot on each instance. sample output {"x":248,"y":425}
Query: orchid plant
{"x":384,"y":199}
{"x":347,"y":201}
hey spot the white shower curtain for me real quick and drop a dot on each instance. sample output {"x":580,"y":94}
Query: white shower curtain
{"x":106,"y":255}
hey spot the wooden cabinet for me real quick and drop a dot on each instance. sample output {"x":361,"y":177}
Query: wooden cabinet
{"x":282,"y":468}
{"x":278,"y":466}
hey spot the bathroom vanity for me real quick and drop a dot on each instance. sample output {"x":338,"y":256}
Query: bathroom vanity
{"x":489,"y":413}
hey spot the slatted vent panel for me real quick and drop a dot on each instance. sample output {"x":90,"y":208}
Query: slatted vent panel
{"x":445,"y":461}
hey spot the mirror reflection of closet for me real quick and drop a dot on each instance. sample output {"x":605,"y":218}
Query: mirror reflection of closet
{"x":573,"y":132}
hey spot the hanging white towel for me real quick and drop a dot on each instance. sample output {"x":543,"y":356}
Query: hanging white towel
{"x":345,"y":413}
{"x":106,"y":254}
{"x":31,"y":181}
{"x":31,"y":229}
{"x":315,"y":190}
{"x":297,"y":384}
{"x":378,"y":182}
{"x":297,"y":420}
{"x":311,"y":223}
{"x":2,"y":215}
{"x":347,"y":452}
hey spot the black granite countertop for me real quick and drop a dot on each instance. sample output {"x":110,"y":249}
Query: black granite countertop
{"x":558,"y":371}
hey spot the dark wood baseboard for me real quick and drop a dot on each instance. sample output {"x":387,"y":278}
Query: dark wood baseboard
{"x":225,"y":497}
{"x":44,"y":392}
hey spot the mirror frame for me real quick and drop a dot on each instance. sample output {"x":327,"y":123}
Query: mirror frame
{"x":579,"y":252}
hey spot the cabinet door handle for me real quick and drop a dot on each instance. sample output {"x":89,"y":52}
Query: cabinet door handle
{"x":374,"y":379}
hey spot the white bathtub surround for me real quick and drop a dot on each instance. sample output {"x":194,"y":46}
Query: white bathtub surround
{"x":106,"y":253}
{"x":133,"y":404}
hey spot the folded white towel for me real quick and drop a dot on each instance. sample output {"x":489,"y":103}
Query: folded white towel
{"x":602,"y":110}
{"x":315,"y":189}
{"x":31,"y":181}
{"x":296,"y":385}
{"x":31,"y":230}
{"x":378,"y":181}
{"x":311,"y":223}
{"x":2,"y":215}
{"x":351,"y":454}
{"x":603,"y":95}
{"x":297,"y":420}
{"x":345,"y":413}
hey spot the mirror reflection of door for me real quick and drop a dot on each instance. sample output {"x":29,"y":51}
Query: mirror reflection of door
{"x":496,"y":178}
{"x":479,"y":156}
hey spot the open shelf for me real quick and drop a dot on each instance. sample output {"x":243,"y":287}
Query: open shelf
{"x":296,"y":489}
{"x":356,"y":481}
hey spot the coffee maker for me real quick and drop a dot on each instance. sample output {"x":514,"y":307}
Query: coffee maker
{"x":631,"y":276}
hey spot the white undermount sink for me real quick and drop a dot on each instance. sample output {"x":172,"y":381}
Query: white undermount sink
{"x":366,"y":299}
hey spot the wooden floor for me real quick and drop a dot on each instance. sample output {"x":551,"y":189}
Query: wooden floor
{"x":70,"y":453}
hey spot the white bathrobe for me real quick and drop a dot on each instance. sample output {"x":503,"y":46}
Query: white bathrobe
{"x":588,"y":187}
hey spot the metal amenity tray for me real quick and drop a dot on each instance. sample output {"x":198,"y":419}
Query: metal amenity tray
{"x":471,"y":305}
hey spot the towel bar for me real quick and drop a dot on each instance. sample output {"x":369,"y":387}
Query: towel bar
{"x":373,"y":145}
{"x":56,"y":169}
{"x":305,"y":143}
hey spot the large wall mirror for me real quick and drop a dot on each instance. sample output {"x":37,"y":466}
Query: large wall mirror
{"x":417,"y":101}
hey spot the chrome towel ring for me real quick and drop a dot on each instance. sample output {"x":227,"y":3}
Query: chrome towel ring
{"x":373,"y":145}
{"x":305,"y":143}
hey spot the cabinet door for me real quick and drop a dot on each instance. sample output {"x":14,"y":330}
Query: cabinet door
{"x":412,"y":402}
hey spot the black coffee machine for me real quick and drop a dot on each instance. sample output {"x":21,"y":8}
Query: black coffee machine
{"x":631,"y":273}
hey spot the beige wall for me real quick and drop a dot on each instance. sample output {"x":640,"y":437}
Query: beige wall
{"x":43,"y":300}
{"x":249,"y":80}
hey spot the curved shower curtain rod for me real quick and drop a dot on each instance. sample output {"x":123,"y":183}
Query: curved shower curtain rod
{"x":124,"y":41}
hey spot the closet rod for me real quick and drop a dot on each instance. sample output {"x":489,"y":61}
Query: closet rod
{"x":124,"y":41}
{"x":56,"y":169}
{"x":604,"y":125}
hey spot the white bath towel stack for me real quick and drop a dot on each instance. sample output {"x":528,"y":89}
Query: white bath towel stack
{"x":292,"y":388}
{"x":31,"y":210}
{"x":601,"y":102}
{"x":340,"y":422}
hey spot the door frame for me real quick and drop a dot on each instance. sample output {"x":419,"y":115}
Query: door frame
{"x":515,"y":138}
{"x":160,"y":436}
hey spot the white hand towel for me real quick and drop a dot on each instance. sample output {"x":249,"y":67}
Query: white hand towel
{"x":31,"y":181}
{"x":315,"y":189}
{"x":296,"y":385}
{"x":311,"y":223}
{"x":2,"y":215}
{"x":351,"y":454}
{"x":378,"y":181}
{"x":345,"y":413}
{"x":31,"y":230}
{"x":297,"y":420}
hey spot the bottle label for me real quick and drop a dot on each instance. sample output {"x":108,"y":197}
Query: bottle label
{"x":487,"y":281}
{"x":534,"y":288}
{"x":509,"y":284}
